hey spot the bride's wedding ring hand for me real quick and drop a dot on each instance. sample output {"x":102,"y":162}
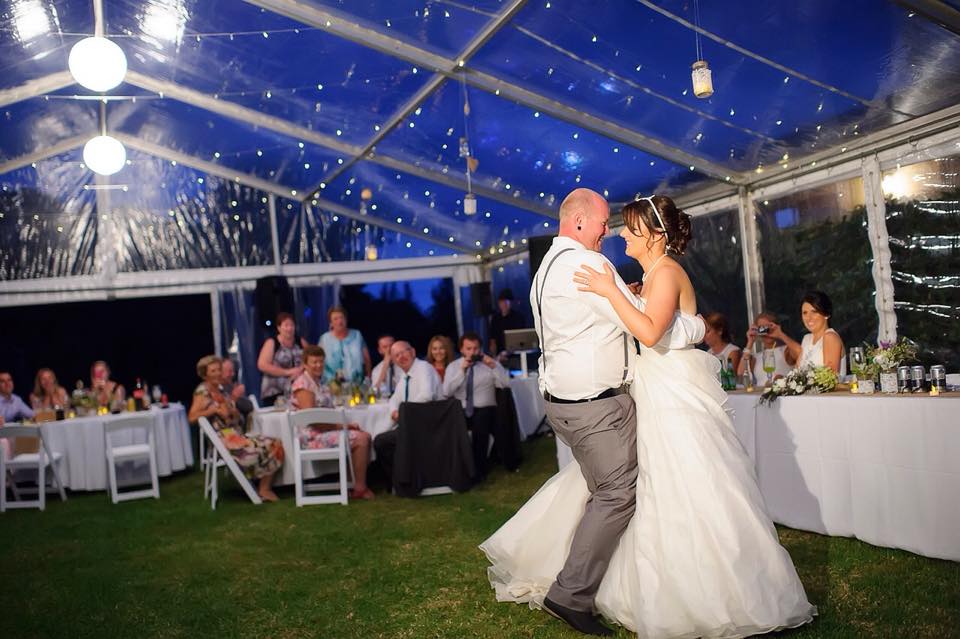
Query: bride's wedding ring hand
{"x":594,"y":281}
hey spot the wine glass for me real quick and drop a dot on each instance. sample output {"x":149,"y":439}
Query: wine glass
{"x":769,"y":363}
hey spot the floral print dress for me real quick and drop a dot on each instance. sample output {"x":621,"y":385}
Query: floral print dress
{"x":311,"y":436}
{"x":257,"y":455}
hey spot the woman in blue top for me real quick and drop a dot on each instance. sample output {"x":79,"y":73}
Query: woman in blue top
{"x":346,"y":351}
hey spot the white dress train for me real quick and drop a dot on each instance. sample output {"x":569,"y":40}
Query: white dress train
{"x":700,"y":558}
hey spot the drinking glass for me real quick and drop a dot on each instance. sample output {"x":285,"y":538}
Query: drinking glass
{"x":769,"y":364}
{"x":857,"y":358}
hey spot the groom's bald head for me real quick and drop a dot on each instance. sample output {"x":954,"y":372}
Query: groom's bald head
{"x":583,"y":217}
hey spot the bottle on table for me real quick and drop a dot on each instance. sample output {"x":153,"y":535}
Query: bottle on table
{"x":747,"y":378}
{"x":731,"y":376}
{"x":138,"y":395}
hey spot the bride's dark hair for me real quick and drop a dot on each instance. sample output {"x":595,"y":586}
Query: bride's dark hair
{"x":676,"y":223}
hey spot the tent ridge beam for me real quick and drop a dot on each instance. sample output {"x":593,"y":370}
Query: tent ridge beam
{"x":935,"y":11}
{"x":346,"y":27}
{"x":35,"y":88}
{"x":285,"y":127}
{"x":491,"y":29}
{"x":63,"y":146}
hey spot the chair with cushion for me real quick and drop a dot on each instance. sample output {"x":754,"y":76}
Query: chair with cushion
{"x":129,"y":452}
{"x":340,"y":454}
{"x":218,"y":457}
{"x":38,"y":461}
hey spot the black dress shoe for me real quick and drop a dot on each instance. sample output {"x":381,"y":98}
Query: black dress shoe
{"x":584,"y":622}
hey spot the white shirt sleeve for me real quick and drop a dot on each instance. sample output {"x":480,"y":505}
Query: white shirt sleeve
{"x":453,"y":378}
{"x":501,"y":377}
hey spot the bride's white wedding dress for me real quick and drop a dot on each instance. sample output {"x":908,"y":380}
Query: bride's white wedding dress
{"x":700,"y":558}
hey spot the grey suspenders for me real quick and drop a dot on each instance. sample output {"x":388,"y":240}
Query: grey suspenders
{"x":543,"y":349}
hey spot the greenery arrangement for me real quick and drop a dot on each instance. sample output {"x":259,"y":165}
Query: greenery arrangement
{"x":809,"y":379}
{"x":885,"y":358}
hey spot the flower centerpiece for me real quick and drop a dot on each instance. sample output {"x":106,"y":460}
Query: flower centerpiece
{"x":809,"y":379}
{"x":883,"y":360}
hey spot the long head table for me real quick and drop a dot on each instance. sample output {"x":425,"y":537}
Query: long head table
{"x":80,"y":441}
{"x":881,"y":468}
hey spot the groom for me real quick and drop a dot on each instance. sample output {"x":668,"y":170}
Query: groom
{"x":584,"y":368}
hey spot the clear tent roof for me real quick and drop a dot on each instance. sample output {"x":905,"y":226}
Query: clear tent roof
{"x":324,"y":102}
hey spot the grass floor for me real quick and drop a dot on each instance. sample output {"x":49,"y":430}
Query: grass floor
{"x":387,"y":568}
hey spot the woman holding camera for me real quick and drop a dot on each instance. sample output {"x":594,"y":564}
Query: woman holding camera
{"x":782,"y":360}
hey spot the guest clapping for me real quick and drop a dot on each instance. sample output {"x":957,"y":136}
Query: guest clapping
{"x":822,"y":346}
{"x":105,"y":391}
{"x":473,"y":379}
{"x":280,"y":360}
{"x":717,"y":337}
{"x":309,"y":391}
{"x":440,"y":353}
{"x":229,"y":383}
{"x":763,"y":329}
{"x":258,"y":455}
{"x":47,"y":393}
{"x":345,"y":348}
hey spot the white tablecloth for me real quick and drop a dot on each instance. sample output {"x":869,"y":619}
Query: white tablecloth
{"x":529,"y":404}
{"x":374,"y":419}
{"x":883,"y":469}
{"x":84,"y":465}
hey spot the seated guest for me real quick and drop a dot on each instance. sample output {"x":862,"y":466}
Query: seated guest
{"x":440,"y":353}
{"x":419,"y":382}
{"x":346,"y":351}
{"x":258,"y":455}
{"x":309,"y":391}
{"x":783,"y":362}
{"x":280,"y":360}
{"x":822,"y":346}
{"x":12,"y":408}
{"x":719,"y":341}
{"x":47,"y":393}
{"x":473,"y":379}
{"x":386,"y":374}
{"x":105,"y":391}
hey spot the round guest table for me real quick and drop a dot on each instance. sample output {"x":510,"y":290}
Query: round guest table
{"x":80,"y":441}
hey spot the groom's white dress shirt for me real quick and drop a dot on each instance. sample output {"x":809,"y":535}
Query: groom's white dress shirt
{"x":582,"y":338}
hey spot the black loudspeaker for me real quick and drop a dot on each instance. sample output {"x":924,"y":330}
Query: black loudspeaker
{"x":538,"y":247}
{"x":482,"y":298}
{"x":273,"y":295}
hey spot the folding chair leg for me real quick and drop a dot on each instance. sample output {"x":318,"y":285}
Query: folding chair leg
{"x":42,"y":481}
{"x":344,"y":456}
{"x":56,"y":472}
{"x":154,"y":479}
{"x":3,"y":488}
{"x":297,"y":474}
{"x":112,"y":476}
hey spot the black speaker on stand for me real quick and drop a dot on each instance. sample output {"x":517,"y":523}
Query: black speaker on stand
{"x":538,"y":247}
{"x":272,"y":295}
{"x":482,"y":298}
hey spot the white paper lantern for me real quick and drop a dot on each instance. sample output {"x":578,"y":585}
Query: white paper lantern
{"x":97,"y":64}
{"x":702,"y":80}
{"x":470,"y":204}
{"x":104,"y":155}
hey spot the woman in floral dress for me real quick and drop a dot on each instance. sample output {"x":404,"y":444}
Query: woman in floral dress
{"x":259,"y":456}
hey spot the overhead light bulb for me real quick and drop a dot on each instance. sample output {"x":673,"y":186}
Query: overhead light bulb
{"x":104,"y":155}
{"x":702,"y":80}
{"x":470,"y":204}
{"x":97,"y":64}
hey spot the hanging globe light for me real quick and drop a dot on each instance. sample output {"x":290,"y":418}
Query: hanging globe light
{"x":97,"y":63}
{"x":104,"y":155}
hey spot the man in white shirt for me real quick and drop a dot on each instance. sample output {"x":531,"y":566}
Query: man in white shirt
{"x":474,"y":379}
{"x":419,"y":382}
{"x":584,"y":367}
{"x":386,"y":374}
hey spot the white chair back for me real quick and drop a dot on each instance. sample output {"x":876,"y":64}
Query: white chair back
{"x":145,"y":423}
{"x":221,"y":453}
{"x":253,"y":400}
{"x":340,"y":453}
{"x":38,"y":461}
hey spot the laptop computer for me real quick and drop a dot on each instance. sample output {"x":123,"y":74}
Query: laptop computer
{"x":520,"y":339}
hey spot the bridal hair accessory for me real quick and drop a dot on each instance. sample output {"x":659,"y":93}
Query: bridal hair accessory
{"x":663,"y":226}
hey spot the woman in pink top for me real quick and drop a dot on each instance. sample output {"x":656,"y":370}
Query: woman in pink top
{"x":309,"y":391}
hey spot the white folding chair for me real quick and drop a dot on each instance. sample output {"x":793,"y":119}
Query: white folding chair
{"x":219,"y":457}
{"x":28,"y":461}
{"x":118,"y":454}
{"x":340,"y":453}
{"x":253,"y":400}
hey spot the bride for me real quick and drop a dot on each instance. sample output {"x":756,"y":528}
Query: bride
{"x":700,"y":558}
